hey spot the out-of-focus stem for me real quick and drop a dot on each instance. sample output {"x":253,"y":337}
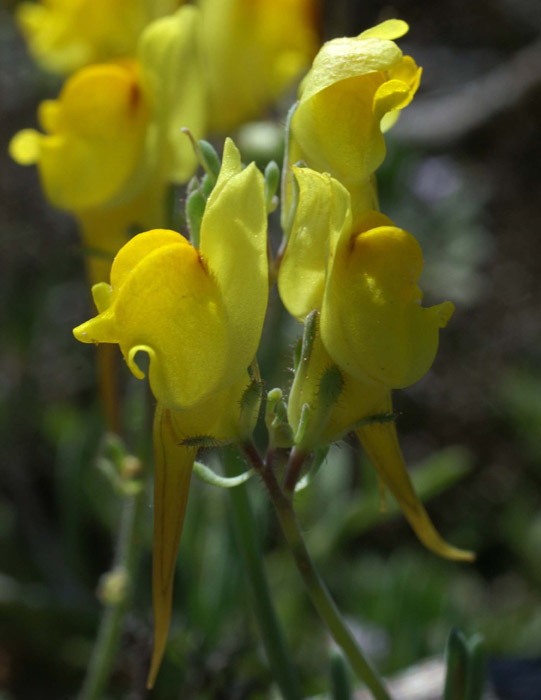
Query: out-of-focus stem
{"x":124,"y":569}
{"x":280,"y":658}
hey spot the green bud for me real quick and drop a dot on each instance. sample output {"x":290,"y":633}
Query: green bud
{"x":211,"y":162}
{"x":206,"y":156}
{"x":195,"y":208}
{"x":193,"y":185}
{"x":274,"y":396}
{"x":276,"y":420}
{"x":207,"y":185}
{"x":249,"y":408}
{"x":272,"y":180}
{"x":281,"y":412}
{"x":113,"y":587}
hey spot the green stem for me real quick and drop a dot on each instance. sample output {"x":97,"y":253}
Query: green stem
{"x":317,"y":590}
{"x":246,"y":532}
{"x":110,"y":628}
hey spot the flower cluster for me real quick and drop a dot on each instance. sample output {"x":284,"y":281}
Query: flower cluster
{"x":112,"y":141}
{"x":348,"y":262}
{"x":112,"y":144}
{"x":197,"y":312}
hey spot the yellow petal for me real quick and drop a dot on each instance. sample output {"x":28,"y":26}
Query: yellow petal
{"x":65,"y":35}
{"x":231,"y":165}
{"x":390,"y":29}
{"x":344,"y":58}
{"x":170,"y":307}
{"x":130,"y":255}
{"x":173,"y":465}
{"x":253,"y":51}
{"x":99,"y":126}
{"x":336,"y":129}
{"x":323,"y":206}
{"x":165,"y":304}
{"x":354,"y":83}
{"x":102,"y":296}
{"x":407,"y":71}
{"x":216,"y":418}
{"x":380,"y":442}
{"x":25,"y":147}
{"x":172,"y":72}
{"x":101,"y":329}
{"x":392,"y":95}
{"x":372,"y":321}
{"x":49,"y":115}
{"x":234,"y":246}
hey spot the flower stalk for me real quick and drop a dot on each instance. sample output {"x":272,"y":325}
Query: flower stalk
{"x":278,"y":654}
{"x":315,"y":586}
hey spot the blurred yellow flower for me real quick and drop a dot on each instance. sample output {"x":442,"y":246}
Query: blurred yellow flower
{"x":94,"y":136}
{"x":361,"y":274}
{"x":112,"y":140}
{"x":353,"y":92}
{"x":197,"y":314}
{"x":65,"y":35}
{"x":254,"y":50}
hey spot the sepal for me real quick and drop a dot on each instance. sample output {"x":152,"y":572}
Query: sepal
{"x":280,"y":432}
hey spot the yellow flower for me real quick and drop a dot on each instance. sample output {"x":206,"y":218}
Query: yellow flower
{"x":65,"y":35}
{"x":254,"y":50}
{"x":94,"y":136}
{"x":197,"y":314}
{"x":361,"y":274}
{"x":352,"y":93}
{"x":112,"y":139}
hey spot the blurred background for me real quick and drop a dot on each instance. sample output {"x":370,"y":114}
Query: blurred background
{"x":462,"y":174}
